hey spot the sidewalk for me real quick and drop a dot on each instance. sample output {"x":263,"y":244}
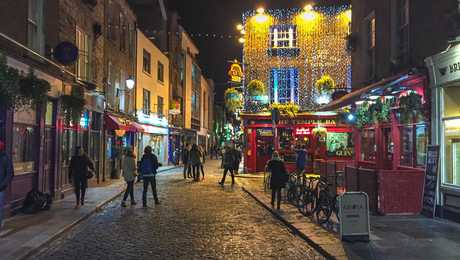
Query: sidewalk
{"x":25,"y":234}
{"x":392,"y":237}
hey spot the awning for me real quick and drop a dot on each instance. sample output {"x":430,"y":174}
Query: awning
{"x":117,"y":123}
{"x":357,"y":94}
{"x":150,"y":129}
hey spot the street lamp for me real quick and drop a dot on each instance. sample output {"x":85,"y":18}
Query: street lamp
{"x":130,"y":83}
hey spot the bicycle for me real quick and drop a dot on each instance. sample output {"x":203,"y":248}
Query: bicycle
{"x":326,"y":203}
{"x":307,"y":199}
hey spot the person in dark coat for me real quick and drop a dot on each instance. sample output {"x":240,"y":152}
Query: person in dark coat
{"x":195,"y":161}
{"x":228,"y":162}
{"x":301,"y":160}
{"x":148,"y":168}
{"x":79,"y":168}
{"x":238,"y":157}
{"x":278,"y":177}
{"x":6,"y":174}
{"x":186,"y":161}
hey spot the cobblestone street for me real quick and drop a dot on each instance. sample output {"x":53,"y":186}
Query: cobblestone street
{"x":194,"y":221}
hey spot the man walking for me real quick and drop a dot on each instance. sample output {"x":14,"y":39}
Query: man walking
{"x":6,"y":174}
{"x":148,"y":168}
{"x":228,"y":162}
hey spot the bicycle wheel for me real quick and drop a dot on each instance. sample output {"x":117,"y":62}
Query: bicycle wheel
{"x":323,"y":208}
{"x":308,"y":203}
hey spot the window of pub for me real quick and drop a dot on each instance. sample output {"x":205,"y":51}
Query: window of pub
{"x":368,"y":145}
{"x":451,"y":137}
{"x":339,"y":144}
{"x":24,"y":141}
{"x":414,"y":139}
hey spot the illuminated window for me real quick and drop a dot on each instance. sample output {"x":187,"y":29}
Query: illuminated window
{"x":284,"y":85}
{"x":146,"y":102}
{"x":146,"y":62}
{"x":83,"y":63}
{"x":283,"y":37}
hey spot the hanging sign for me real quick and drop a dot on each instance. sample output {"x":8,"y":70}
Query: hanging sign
{"x":235,"y":73}
{"x":302,"y":131}
{"x":431,"y":181}
{"x":354,"y":216}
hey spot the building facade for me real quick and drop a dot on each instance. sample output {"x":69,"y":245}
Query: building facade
{"x":152,"y":97}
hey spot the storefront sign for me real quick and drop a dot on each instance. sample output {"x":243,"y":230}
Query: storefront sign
{"x":354,"y":216}
{"x":235,"y":73}
{"x":303,"y":131}
{"x":152,"y":119}
{"x":264,"y":132}
{"x":446,"y":65}
{"x":431,"y":181}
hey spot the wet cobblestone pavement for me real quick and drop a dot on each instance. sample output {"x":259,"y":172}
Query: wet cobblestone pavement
{"x":194,"y":221}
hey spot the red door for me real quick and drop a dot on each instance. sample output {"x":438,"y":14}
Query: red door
{"x":264,"y":148}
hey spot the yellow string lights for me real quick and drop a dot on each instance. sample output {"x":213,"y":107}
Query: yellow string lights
{"x":313,"y":44}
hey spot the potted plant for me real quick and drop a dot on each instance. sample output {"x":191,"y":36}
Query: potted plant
{"x":9,"y":79}
{"x":233,"y":99}
{"x":411,"y":108}
{"x":73,"y":105}
{"x":34,"y":91}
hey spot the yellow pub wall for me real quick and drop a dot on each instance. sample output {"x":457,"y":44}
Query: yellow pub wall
{"x":191,"y":51}
{"x":151,"y":82}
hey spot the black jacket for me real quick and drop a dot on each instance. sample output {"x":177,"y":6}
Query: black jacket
{"x":6,"y":171}
{"x":79,"y":166}
{"x":279,"y":174}
{"x":185,"y":156}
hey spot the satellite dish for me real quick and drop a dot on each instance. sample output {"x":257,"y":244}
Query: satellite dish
{"x":66,"y":53}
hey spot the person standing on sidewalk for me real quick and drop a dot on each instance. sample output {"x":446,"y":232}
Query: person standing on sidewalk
{"x":195,"y":161}
{"x":278,"y":178}
{"x":186,"y":161}
{"x":129,"y":174}
{"x":301,"y":159}
{"x":228,"y":162}
{"x":6,"y":174}
{"x":79,"y":172}
{"x":203,"y":160}
{"x":148,"y":168}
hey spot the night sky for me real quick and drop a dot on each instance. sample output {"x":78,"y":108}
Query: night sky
{"x":220,"y":17}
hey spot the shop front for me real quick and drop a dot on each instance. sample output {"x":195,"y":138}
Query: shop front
{"x":175,"y":145}
{"x":390,"y":131}
{"x":155,"y":137}
{"x":445,"y":87}
{"x":120,"y":133}
{"x":319,"y":133}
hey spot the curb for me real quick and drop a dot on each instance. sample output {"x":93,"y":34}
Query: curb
{"x":71,"y":225}
{"x":296,"y":231}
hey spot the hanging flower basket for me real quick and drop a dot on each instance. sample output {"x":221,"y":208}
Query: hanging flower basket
{"x":233,"y":100}
{"x":320,"y":133}
{"x":363,"y":116}
{"x":34,"y":91}
{"x":325,"y":85}
{"x":411,"y":108}
{"x":379,"y":111}
{"x":9,"y":79}
{"x":288,"y":109}
{"x":256,"y":88}
{"x":73,"y":105}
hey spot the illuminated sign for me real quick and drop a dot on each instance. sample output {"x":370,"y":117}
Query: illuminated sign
{"x":174,"y":107}
{"x":152,"y":119}
{"x":235,"y":73}
{"x":303,"y":131}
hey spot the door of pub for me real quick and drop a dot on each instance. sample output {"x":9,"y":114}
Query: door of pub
{"x":265,"y":144}
{"x":48,"y":183}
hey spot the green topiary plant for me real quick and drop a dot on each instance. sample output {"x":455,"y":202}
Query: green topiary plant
{"x":9,"y":79}
{"x":34,"y":91}
{"x":256,"y":88}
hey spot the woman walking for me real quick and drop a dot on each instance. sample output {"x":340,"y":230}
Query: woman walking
{"x":278,"y":178}
{"x":80,"y":170}
{"x":129,"y":174}
{"x":195,"y":160}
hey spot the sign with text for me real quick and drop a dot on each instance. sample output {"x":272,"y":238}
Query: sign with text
{"x":354,"y":216}
{"x":431,"y":181}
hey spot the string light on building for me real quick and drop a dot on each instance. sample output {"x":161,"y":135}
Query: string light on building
{"x":310,"y":39}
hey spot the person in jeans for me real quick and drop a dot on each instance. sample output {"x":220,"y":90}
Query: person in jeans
{"x":6,"y":174}
{"x":186,"y":161}
{"x":278,"y":177}
{"x":203,"y":160}
{"x":195,"y":161}
{"x":148,"y":168}
{"x":129,"y":174}
{"x":79,"y":168}
{"x":228,"y":162}
{"x":238,"y":158}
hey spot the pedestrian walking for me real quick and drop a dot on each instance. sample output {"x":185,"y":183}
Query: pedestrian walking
{"x":228,"y":162}
{"x":6,"y":174}
{"x":222,"y":152}
{"x":195,"y":161}
{"x":238,"y":156}
{"x":186,"y":161}
{"x":278,"y":178}
{"x":80,"y":170}
{"x":148,"y":168}
{"x":203,"y":160}
{"x":129,"y":174}
{"x":301,"y":159}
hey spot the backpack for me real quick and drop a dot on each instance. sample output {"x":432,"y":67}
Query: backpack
{"x":146,"y":166}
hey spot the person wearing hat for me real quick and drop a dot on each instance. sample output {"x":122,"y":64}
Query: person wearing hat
{"x":6,"y":174}
{"x":79,"y":172}
{"x":129,"y":174}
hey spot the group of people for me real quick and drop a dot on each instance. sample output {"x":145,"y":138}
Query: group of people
{"x":81,"y":169}
{"x":193,"y":158}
